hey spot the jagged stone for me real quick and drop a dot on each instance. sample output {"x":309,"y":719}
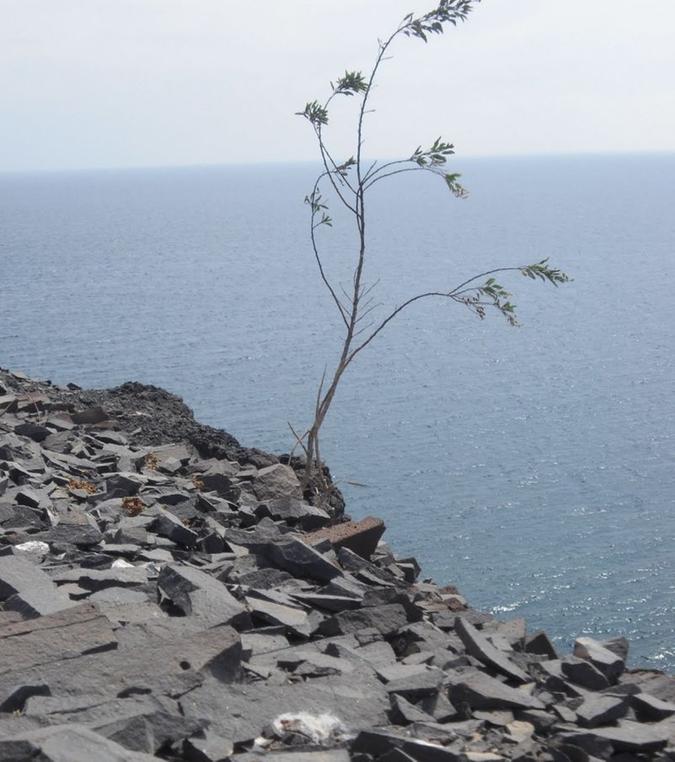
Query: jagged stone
{"x":294,"y":619}
{"x":80,"y":629}
{"x":601,"y":658}
{"x":208,"y":747}
{"x":197,"y":594}
{"x":301,"y":560}
{"x":540,"y":643}
{"x":27,"y":589}
{"x":66,"y":743}
{"x":601,"y":710}
{"x":584,"y":673}
{"x":478,"y":646}
{"x":480,"y":691}
{"x":275,"y":481}
{"x":627,"y":736}
{"x":412,"y":680}
{"x":167,"y":525}
{"x":294,"y":512}
{"x":90,"y":415}
{"x":378,"y":742}
{"x":651,"y":709}
{"x":361,"y":537}
{"x":241,"y":712}
{"x":386,"y":619}
{"x":33,"y":431}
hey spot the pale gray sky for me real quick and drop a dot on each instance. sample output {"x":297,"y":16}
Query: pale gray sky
{"x":112,"y":83}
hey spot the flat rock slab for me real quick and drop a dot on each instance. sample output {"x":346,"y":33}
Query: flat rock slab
{"x":275,"y":481}
{"x":65,"y":634}
{"x":386,"y":619}
{"x":609,"y":663}
{"x":67,"y":743}
{"x":241,"y":712}
{"x":481,"y":691}
{"x":601,"y":710}
{"x":24,"y":587}
{"x":301,"y":560}
{"x":361,"y":537}
{"x":196,"y":593}
{"x":628,"y":736}
{"x":480,"y":648}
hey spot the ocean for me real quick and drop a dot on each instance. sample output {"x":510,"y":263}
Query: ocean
{"x":533,"y":467}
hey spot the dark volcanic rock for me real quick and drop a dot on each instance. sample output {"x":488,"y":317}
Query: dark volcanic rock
{"x":164,"y":591}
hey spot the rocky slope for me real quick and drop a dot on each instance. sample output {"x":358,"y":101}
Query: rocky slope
{"x":168,"y":594}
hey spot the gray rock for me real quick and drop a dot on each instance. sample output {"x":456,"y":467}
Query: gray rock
{"x":77,"y":630}
{"x":292,"y":618}
{"x":26,"y":588}
{"x":619,"y":646}
{"x":275,"y":481}
{"x":628,"y":736}
{"x":412,"y":680}
{"x":480,"y":691}
{"x":197,"y":594}
{"x":208,"y":747}
{"x":601,"y":710}
{"x":601,"y":658}
{"x":649,"y":708}
{"x":67,"y":743}
{"x":540,"y":643}
{"x":241,"y":712}
{"x":294,"y":511}
{"x":167,"y":525}
{"x":33,"y":431}
{"x":90,"y":415}
{"x":98,"y":579}
{"x":301,"y":560}
{"x":386,"y":619}
{"x":379,"y":742}
{"x":478,"y":646}
{"x":583,"y":673}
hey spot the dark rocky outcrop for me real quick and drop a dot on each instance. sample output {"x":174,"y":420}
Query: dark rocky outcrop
{"x":168,"y":594}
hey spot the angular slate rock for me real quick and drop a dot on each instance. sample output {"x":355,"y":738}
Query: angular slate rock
{"x":298,"y":558}
{"x":294,"y":511}
{"x":480,"y":691}
{"x":386,"y":619}
{"x":651,"y":709}
{"x":540,"y":643}
{"x":25,"y":588}
{"x":601,"y":658}
{"x":601,"y":710}
{"x":36,"y":643}
{"x":67,"y":743}
{"x":583,"y":673}
{"x":479,"y":647}
{"x":275,"y":481}
{"x":197,"y":594}
{"x":361,"y":537}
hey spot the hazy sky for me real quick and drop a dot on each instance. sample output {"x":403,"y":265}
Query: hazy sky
{"x":110,"y":83}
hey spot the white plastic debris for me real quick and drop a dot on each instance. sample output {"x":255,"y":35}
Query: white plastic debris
{"x":33,"y":546}
{"x":120,"y":563}
{"x":320,"y":729}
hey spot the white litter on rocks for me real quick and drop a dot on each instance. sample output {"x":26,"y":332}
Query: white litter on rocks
{"x":33,"y":546}
{"x":120,"y":563}
{"x":319,"y":729}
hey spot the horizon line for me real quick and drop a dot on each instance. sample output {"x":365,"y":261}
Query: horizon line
{"x":282,"y":162}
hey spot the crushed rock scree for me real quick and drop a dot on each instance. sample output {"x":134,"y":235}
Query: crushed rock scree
{"x":166,"y":593}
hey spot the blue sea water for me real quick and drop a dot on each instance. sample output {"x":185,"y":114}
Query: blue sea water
{"x":534,"y":467}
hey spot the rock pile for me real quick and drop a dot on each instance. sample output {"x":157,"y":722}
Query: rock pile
{"x":168,"y":594}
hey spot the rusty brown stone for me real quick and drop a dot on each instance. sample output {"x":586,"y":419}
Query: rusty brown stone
{"x":359,"y":536}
